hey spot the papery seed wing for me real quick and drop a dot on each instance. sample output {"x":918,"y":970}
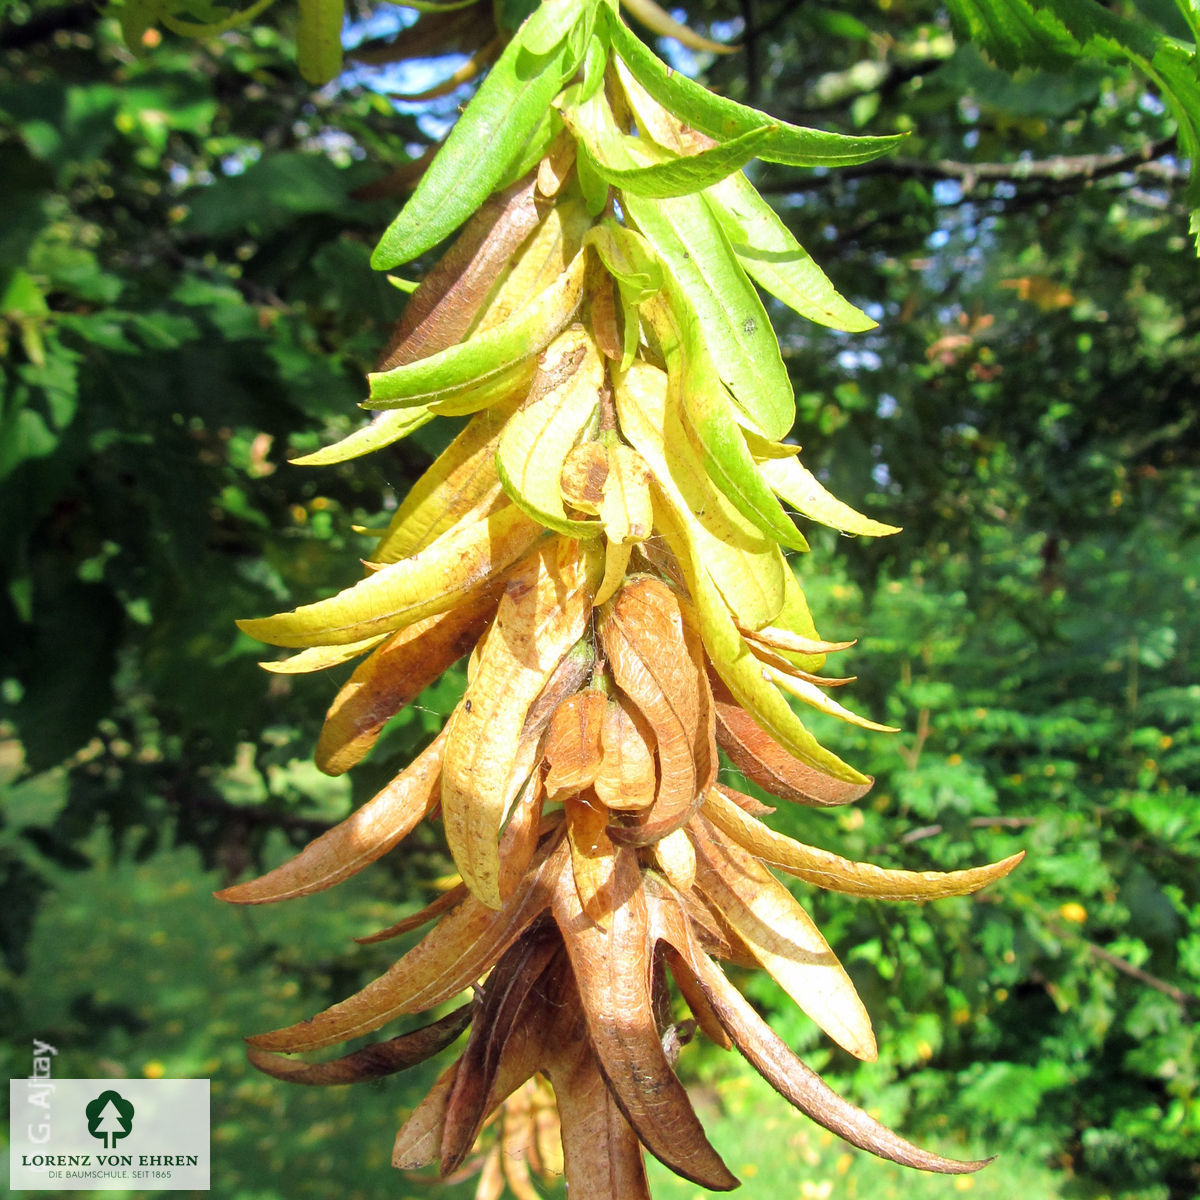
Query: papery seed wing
{"x":567,"y":678}
{"x":491,"y":1176}
{"x":616,"y":567}
{"x":613,"y":969}
{"x":625,"y":507}
{"x":461,"y":480}
{"x":602,"y":317}
{"x":555,"y":169}
{"x":572,"y":751}
{"x":541,"y":616}
{"x":831,"y":871}
{"x":782,"y":936}
{"x":441,"y":310}
{"x":519,"y":840}
{"x":486,"y":354}
{"x":498,"y":1009}
{"x":626,"y":779}
{"x":454,"y":954}
{"x":538,"y":1018}
{"x":371,"y":1062}
{"x":449,"y":899}
{"x":582,"y":479}
{"x":537,"y":440}
{"x":642,"y":635}
{"x":696,"y":1000}
{"x":746,"y":566}
{"x":516,"y":1144}
{"x":397,"y":672}
{"x":762,"y":759}
{"x":798,"y":1083}
{"x":418,"y":1144}
{"x":676,"y":857}
{"x":460,"y":562}
{"x":360,"y":839}
{"x":602,"y":1156}
{"x":593,"y":857}
{"x":547,"y":1132}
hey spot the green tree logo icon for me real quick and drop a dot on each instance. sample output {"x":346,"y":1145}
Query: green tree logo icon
{"x":109,"y":1117}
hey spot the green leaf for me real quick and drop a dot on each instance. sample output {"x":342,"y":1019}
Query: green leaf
{"x":628,"y":259}
{"x":724,"y":119}
{"x":534,"y":151}
{"x":711,"y":426}
{"x":136,"y":17}
{"x":554,"y":20}
{"x":492,"y":355}
{"x":1056,"y":34}
{"x":687,"y":238}
{"x":747,"y":567}
{"x":385,"y":429}
{"x":319,"y":39}
{"x":398,"y":594}
{"x":639,"y":167}
{"x":774,"y":259}
{"x":494,"y":130}
{"x":241,"y":16}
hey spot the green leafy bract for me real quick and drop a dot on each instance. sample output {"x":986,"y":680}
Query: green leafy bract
{"x":723,"y":119}
{"x":734,"y":324}
{"x":507,"y":110}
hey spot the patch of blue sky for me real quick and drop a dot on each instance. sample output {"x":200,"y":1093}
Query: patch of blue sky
{"x":947,"y":191}
{"x":859,"y":360}
{"x":691,"y":62}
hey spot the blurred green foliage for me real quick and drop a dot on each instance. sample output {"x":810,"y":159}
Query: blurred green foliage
{"x":185,"y":301}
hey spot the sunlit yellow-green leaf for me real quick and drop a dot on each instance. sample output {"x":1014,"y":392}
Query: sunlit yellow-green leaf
{"x":797,"y":485}
{"x":484,"y":355}
{"x":402,"y":592}
{"x":831,"y":871}
{"x":535,"y":442}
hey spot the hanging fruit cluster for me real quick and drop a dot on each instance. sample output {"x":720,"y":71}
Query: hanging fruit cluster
{"x":605,"y":540}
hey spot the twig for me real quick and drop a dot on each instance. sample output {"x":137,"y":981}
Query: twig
{"x":1182,"y":998}
{"x":928,"y":831}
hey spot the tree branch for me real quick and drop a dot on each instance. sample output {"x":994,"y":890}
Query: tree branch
{"x":1064,"y":169}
